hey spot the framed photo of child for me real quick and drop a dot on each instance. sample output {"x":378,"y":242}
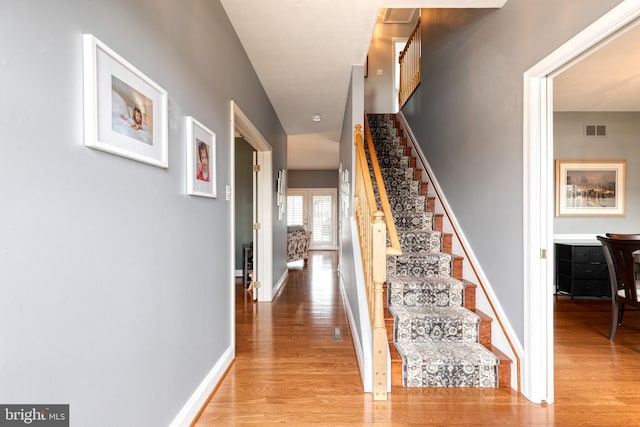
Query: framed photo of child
{"x":125,"y":112}
{"x":201,"y":159}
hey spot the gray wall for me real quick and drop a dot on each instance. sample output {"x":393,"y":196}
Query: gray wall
{"x":312,"y":179}
{"x":116,"y":293}
{"x":621,"y":143}
{"x":467,"y":116}
{"x":244,"y":197}
{"x":378,"y":89}
{"x":354,"y":114}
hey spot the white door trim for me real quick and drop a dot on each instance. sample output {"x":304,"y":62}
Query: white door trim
{"x":264,"y":272}
{"x":537,"y":367}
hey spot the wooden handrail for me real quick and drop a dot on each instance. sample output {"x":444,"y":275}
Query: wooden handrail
{"x":362,"y":158}
{"x":365,"y":208}
{"x":373,"y":224}
{"x":394,"y":249}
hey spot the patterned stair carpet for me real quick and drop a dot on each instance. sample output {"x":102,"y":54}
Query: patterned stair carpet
{"x":437,"y":338}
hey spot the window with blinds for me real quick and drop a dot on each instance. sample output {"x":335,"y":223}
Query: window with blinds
{"x":322,"y":219}
{"x":295,"y":210}
{"x":315,"y":210}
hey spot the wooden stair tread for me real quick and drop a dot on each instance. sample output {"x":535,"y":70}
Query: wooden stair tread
{"x":504,"y":369}
{"x":396,"y":366}
{"x":438,"y":221}
{"x":447,"y":242}
{"x":456,"y":267}
{"x":470,"y":294}
{"x":484,"y":329}
{"x":431,"y":204}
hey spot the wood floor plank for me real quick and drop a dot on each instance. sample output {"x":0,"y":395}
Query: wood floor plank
{"x":289,"y":369}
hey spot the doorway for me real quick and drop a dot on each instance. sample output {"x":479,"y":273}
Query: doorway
{"x":538,"y":172}
{"x":263,"y":200}
{"x":315,"y":210}
{"x":244,"y":207}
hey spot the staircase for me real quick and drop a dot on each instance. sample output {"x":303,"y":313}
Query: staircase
{"x":437,"y":337}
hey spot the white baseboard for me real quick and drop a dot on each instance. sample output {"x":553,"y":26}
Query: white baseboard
{"x":363,"y":343}
{"x":199,"y":397}
{"x":278,"y":285}
{"x":364,"y":364}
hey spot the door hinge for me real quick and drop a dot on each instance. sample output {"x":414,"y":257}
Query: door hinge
{"x":256,"y":168}
{"x":543,"y":253}
{"x":256,"y":226}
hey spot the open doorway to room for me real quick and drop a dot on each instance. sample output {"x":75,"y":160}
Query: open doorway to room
{"x":262,"y":201}
{"x":244,"y":208}
{"x":539,"y":200}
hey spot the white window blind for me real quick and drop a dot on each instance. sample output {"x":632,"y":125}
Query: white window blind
{"x":295,"y":210}
{"x":322,"y":219}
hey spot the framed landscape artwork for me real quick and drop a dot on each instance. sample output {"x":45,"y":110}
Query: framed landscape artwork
{"x":125,"y":112}
{"x":590,"y":188}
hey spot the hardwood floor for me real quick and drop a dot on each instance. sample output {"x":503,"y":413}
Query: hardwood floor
{"x":291,"y":367}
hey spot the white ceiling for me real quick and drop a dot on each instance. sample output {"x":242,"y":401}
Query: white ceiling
{"x":303,"y":52}
{"x":606,"y":79}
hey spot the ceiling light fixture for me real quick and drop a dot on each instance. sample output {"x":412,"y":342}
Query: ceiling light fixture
{"x":316,"y":117}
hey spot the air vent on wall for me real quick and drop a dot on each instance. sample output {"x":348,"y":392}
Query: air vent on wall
{"x":595,"y":130}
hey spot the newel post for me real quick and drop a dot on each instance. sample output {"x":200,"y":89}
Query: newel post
{"x":379,"y":243}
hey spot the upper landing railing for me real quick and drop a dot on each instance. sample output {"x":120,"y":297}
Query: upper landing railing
{"x":410,"y":66}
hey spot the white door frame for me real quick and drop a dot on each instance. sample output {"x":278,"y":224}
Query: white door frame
{"x":255,"y":219}
{"x":537,"y":367}
{"x":264,"y":261}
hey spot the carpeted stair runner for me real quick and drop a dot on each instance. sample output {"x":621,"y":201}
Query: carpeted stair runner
{"x":437,"y":338}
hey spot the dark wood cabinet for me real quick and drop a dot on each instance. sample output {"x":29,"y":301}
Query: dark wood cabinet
{"x":581,"y":270}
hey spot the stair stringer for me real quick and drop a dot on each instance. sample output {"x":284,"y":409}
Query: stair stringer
{"x":502,"y":337}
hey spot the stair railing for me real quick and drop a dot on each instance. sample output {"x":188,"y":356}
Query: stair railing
{"x":410,"y":66}
{"x":373,"y":224}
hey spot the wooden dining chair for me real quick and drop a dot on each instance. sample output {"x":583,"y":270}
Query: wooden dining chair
{"x":623,"y":274}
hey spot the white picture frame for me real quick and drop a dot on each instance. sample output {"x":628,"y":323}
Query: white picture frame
{"x":344,"y":192}
{"x":201,"y":159}
{"x":281,"y":200}
{"x":590,"y":188}
{"x":125,"y":112}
